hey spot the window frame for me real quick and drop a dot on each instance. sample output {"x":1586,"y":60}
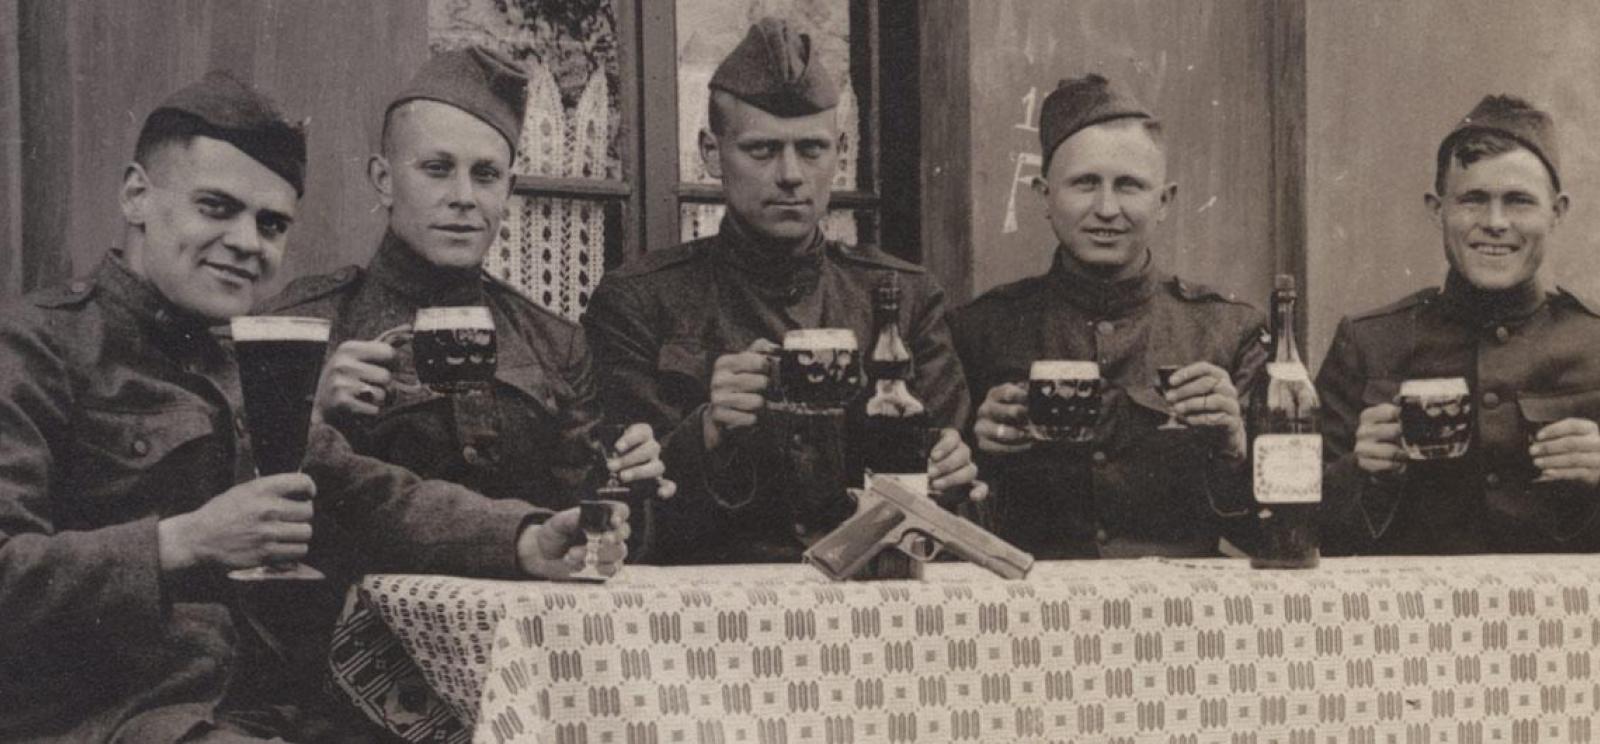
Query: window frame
{"x":649,"y":190}
{"x":665,"y":192}
{"x":624,"y":189}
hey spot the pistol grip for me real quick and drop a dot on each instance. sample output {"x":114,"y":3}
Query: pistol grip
{"x":842,"y":553}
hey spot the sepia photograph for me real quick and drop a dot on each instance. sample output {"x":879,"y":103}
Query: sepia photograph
{"x":799,"y":371}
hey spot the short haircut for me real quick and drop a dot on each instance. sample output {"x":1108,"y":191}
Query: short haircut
{"x":1471,"y":146}
{"x":1157,"y":133}
{"x":277,"y":146}
{"x":717,"y":115}
{"x":164,"y":128}
{"x":397,"y":111}
{"x":716,"y":118}
{"x":388,"y":122}
{"x":1152,"y":128}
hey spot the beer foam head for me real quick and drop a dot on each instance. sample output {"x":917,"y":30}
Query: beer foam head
{"x":275,"y":328}
{"x":1063,"y":369}
{"x":453,"y":318}
{"x":820,"y":338}
{"x":1435,"y":387}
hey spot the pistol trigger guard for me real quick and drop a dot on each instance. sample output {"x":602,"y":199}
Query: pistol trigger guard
{"x":908,"y":543}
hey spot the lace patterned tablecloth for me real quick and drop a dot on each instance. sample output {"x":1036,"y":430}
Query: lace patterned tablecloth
{"x":1473,"y":650}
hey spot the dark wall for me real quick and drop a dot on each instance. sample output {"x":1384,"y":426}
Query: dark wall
{"x":10,"y":152}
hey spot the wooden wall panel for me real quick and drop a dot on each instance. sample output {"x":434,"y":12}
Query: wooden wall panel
{"x":46,"y":113}
{"x":1285,"y":28}
{"x":10,"y":151}
{"x":946,"y":168}
{"x":1203,"y":67}
{"x":92,"y":70}
{"x":1386,"y":81}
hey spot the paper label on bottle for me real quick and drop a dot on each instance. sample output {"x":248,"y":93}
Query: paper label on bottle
{"x":1288,"y":371}
{"x":1288,"y":468}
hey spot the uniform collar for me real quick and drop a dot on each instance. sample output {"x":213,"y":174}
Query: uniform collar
{"x":1484,"y":307}
{"x":149,"y":306}
{"x":793,"y":274}
{"x":1102,"y":297}
{"x":403,"y":270}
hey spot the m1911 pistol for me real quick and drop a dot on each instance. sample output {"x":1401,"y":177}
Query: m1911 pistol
{"x":888,"y":515}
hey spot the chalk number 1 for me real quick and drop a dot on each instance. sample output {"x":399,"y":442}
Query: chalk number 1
{"x":1028,"y":117}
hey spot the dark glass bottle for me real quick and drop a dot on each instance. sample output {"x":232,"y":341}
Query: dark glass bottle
{"x":1286,"y":455}
{"x":893,"y":427}
{"x":894,"y":422}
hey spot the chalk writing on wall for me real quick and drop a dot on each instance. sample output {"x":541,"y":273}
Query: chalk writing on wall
{"x":1202,"y":67}
{"x":1025,"y":168}
{"x":1028,"y":103}
{"x":1024,"y":165}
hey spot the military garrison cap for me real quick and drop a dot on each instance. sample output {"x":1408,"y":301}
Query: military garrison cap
{"x":477,"y":80}
{"x":1514,"y":118}
{"x":776,"y":69}
{"x":1077,"y":103}
{"x":221,"y":107}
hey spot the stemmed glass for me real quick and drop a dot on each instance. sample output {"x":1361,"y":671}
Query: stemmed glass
{"x":594,"y":514}
{"x":594,"y":518}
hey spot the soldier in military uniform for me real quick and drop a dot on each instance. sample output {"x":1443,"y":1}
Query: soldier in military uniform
{"x":1527,"y":483}
{"x":1136,"y":490}
{"x":680,"y":333}
{"x":127,"y":487}
{"x":444,"y":174}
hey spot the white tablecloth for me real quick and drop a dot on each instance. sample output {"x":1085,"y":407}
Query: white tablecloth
{"x":1378,"y":650}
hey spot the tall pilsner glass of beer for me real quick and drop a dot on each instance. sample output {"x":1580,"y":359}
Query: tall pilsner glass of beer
{"x":280,"y":359}
{"x":454,"y":346}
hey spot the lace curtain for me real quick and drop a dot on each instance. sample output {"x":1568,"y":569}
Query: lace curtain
{"x":707,"y":31}
{"x":551,"y":249}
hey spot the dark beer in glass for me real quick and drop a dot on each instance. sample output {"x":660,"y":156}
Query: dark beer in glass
{"x":453,"y":346}
{"x":280,"y":359}
{"x":594,"y":518}
{"x":1063,"y":400}
{"x":819,"y":370}
{"x":279,"y":362}
{"x":1435,"y":418}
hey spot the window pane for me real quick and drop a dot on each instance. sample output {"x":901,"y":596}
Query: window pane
{"x":700,"y":220}
{"x":554,"y":250}
{"x":570,"y":50}
{"x":709,"y":29}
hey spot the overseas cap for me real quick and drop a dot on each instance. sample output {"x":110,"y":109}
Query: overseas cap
{"x":1514,"y":118}
{"x":1082,"y":102}
{"x":477,"y":80}
{"x":222,"y":108}
{"x":776,"y":70}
